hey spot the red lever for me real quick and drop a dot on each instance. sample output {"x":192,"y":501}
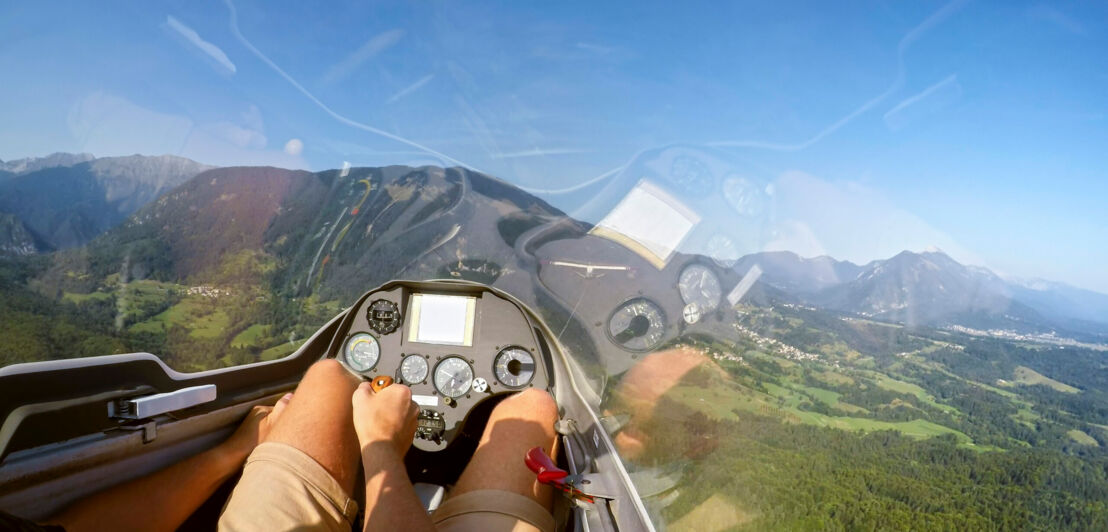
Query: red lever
{"x":548,"y":473}
{"x":541,"y":464}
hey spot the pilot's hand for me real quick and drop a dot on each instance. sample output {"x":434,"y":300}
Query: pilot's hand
{"x":256,"y":426}
{"x":386,"y":416}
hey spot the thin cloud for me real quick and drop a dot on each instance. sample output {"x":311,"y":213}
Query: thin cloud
{"x":410,"y":89}
{"x":538,"y":152}
{"x":208,"y":48}
{"x":379,"y":43}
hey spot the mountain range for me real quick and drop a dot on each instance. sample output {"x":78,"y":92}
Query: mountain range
{"x":64,"y":200}
{"x":206,"y":215}
{"x":931,"y":288}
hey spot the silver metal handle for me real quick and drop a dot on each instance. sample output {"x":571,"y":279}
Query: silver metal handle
{"x":153,"y":405}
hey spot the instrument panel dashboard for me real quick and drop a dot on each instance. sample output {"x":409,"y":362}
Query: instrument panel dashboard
{"x":454,"y":345}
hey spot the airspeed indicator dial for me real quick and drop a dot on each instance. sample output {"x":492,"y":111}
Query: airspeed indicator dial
{"x":361,"y":352}
{"x":637,"y":325}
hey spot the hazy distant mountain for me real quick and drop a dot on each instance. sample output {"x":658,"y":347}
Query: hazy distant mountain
{"x":31,"y":164}
{"x":790,"y":273}
{"x":930,"y":288}
{"x":926,"y":288}
{"x":67,"y":205}
{"x":1060,"y":299}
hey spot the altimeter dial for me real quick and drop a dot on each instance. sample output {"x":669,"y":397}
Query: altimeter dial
{"x":453,"y":377}
{"x":697,"y":284}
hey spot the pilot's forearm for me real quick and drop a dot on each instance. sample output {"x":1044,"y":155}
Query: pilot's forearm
{"x":391,"y":502}
{"x":159,"y":501}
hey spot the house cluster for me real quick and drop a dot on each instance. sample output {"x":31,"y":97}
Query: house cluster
{"x":717,"y":355}
{"x":208,"y":291}
{"x":776,"y":346}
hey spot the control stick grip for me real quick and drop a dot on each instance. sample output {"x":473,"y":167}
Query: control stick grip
{"x":380,"y":382}
{"x":541,"y":464}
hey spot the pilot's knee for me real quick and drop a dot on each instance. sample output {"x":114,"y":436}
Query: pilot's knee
{"x":328,"y":369}
{"x":532,"y":404}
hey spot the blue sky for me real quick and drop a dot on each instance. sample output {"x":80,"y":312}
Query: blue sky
{"x":978,"y":127}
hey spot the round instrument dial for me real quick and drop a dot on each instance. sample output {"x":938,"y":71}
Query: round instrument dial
{"x":413,"y":369}
{"x":691,"y":313}
{"x":362,"y":352}
{"x":691,"y":175}
{"x":453,"y":377}
{"x":744,"y":195}
{"x":514,"y":367}
{"x":383,"y":316}
{"x":722,"y":250}
{"x":699,"y":285}
{"x":637,"y":325}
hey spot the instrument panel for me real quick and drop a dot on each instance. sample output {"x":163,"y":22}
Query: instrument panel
{"x":453,"y":345}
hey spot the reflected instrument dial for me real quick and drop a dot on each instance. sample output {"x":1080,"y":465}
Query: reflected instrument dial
{"x":699,"y":286}
{"x":413,"y":369}
{"x":361,"y":352}
{"x":637,"y":325}
{"x":514,"y":367}
{"x":722,"y":250}
{"x":453,"y":377}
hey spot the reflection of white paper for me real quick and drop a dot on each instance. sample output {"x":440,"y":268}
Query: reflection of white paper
{"x":425,"y":400}
{"x":652,"y":219}
{"x":445,"y":319}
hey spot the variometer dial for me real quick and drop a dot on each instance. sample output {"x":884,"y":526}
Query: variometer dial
{"x":362,"y":352}
{"x":413,"y":369}
{"x":453,"y":377}
{"x":637,"y":325}
{"x":514,"y":367}
{"x":699,"y":285}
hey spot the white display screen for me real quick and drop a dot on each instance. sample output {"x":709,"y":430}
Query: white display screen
{"x":442,"y":319}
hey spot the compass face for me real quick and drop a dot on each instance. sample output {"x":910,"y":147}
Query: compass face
{"x":637,"y":325}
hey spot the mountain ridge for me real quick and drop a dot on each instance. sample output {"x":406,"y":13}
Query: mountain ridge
{"x":929,"y":288}
{"x":67,"y":205}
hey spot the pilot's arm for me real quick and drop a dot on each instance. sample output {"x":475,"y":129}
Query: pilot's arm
{"x":386,"y":423}
{"x":164,"y":499}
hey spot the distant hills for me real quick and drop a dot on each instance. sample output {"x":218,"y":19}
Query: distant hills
{"x":930,"y":288}
{"x":65,"y":200}
{"x":31,"y":164}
